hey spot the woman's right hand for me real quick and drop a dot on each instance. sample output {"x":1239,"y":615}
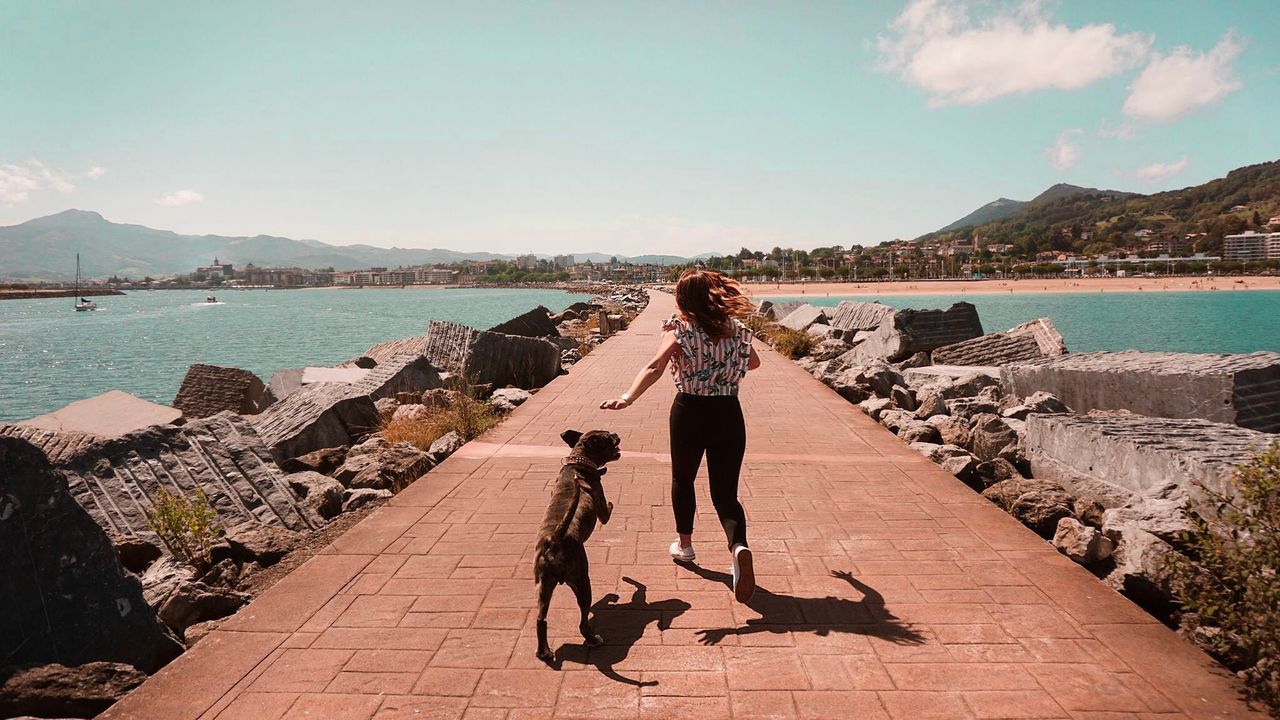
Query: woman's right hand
{"x":615,"y":404}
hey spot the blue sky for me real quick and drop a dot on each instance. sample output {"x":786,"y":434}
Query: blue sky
{"x":621,"y":127}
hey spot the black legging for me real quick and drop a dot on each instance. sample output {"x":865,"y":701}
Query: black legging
{"x":712,"y":424}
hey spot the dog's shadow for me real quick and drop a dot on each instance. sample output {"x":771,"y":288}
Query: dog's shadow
{"x":821,"y":616}
{"x":621,"y":625}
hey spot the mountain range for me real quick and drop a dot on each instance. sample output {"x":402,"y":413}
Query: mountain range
{"x":1004,"y":207}
{"x":45,"y":249}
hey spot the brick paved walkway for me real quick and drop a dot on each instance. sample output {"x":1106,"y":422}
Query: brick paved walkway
{"x":887,"y":590}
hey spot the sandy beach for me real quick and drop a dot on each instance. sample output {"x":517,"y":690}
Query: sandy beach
{"x":988,"y":287}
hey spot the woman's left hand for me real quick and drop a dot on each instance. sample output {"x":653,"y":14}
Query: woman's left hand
{"x":616,"y":404}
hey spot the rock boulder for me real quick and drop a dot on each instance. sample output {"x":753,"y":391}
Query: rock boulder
{"x":211,"y":389}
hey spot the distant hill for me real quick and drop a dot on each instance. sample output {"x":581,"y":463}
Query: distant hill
{"x":1067,"y":218}
{"x":45,"y":249}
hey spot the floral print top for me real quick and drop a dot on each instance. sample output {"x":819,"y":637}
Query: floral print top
{"x":704,"y":365}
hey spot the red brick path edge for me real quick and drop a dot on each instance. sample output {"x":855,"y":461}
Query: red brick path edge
{"x":887,"y":590}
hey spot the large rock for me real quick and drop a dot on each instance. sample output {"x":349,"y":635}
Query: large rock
{"x":953,"y":430}
{"x":1082,"y":543}
{"x":951,"y":380}
{"x":321,"y":492}
{"x":508,"y":399}
{"x":911,"y":331}
{"x":804,"y":316}
{"x":485,"y":357}
{"x":1038,"y":504}
{"x":1242,"y":390}
{"x":535,"y":323}
{"x":66,"y":598}
{"x":1028,"y":341}
{"x":221,"y":455}
{"x":210,"y":389}
{"x":57,"y":446}
{"x":1041,"y":403}
{"x":110,"y":414}
{"x":58,"y":691}
{"x":1141,"y":569}
{"x":179,"y":600}
{"x":1109,"y":457}
{"x":403,"y":372}
{"x":777,"y":310}
{"x":853,"y":316}
{"x":316,"y":417}
{"x":446,"y":445}
{"x":991,"y":438}
{"x":320,"y":461}
{"x":391,"y":468}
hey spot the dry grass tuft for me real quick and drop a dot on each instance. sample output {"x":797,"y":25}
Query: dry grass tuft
{"x":468,"y":417}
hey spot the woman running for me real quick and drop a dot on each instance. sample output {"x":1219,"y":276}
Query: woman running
{"x":712,"y":352}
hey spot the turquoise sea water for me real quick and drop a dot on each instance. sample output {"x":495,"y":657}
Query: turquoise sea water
{"x":143,"y":342}
{"x":1223,"y":321}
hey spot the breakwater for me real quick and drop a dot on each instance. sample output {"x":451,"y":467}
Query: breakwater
{"x":12,"y":294}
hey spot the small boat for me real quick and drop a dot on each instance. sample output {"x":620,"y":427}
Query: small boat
{"x":211,"y":299}
{"x":82,"y":304}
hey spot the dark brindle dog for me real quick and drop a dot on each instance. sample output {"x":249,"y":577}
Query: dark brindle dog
{"x":577,"y":501}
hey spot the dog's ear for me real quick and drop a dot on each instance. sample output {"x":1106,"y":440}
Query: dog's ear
{"x":571,"y":437}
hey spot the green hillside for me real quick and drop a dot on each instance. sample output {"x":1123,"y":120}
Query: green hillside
{"x":1082,"y":220}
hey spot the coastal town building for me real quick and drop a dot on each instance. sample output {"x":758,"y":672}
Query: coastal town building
{"x":527,"y":262}
{"x":563,"y":261}
{"x":218,"y":270}
{"x":1251,"y":245}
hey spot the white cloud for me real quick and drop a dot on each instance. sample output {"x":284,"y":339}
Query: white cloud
{"x":180,"y":198}
{"x":95,"y":172}
{"x":1064,"y":153}
{"x":1123,"y":131}
{"x":1177,"y":84}
{"x":937,"y":46}
{"x":19,"y":181}
{"x":1155,"y":172}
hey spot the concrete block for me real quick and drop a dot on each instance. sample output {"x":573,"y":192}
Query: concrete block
{"x":488,"y":357}
{"x":110,"y":414}
{"x":1108,"y":457}
{"x":1028,"y":341}
{"x":210,"y":389}
{"x":535,"y":323}
{"x":911,"y":331}
{"x":804,"y":316}
{"x":850,"y":315}
{"x":1238,"y":389}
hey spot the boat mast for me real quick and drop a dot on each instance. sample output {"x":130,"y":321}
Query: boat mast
{"x":77,"y":298}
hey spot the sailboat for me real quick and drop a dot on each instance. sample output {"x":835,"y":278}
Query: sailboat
{"x":81,"y":303}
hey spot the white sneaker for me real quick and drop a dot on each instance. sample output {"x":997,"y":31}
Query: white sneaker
{"x":744,"y":574}
{"x":682,"y":554}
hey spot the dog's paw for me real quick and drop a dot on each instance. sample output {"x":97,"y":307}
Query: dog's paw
{"x":545,"y":655}
{"x":593,"y":640}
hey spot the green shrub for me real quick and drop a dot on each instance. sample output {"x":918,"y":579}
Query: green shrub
{"x":187,"y":527}
{"x":1228,"y":582}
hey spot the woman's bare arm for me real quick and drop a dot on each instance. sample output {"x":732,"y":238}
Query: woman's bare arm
{"x":648,"y":375}
{"x":753,"y":362}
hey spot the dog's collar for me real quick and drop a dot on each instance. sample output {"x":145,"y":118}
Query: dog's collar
{"x":581,"y":461}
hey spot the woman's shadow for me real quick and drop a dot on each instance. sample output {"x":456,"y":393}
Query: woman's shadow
{"x":621,"y":625}
{"x":821,"y":616}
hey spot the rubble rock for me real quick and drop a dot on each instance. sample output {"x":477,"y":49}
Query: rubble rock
{"x":903,"y":398}
{"x":66,"y":598}
{"x":777,"y":310}
{"x":180,"y":600}
{"x":1086,"y":545}
{"x":802,"y":317}
{"x":1035,"y":339}
{"x":1159,"y":512}
{"x":210,"y":389}
{"x":1141,"y":568}
{"x":135,"y":554}
{"x":830,"y":349}
{"x":874,"y":407}
{"x":59,"y":447}
{"x":263,"y":544}
{"x":930,"y":404}
{"x":508,"y":399}
{"x":1041,"y":403}
{"x":919,"y":360}
{"x":447,"y":445}
{"x":963,"y":467}
{"x":374,"y":444}
{"x":1109,"y":457}
{"x":386,"y":407}
{"x":359,"y":497}
{"x":895,"y":420}
{"x":412,"y":413}
{"x":851,"y":385}
{"x":1038,"y":504}
{"x":199,"y":631}
{"x":320,"y":461}
{"x":968,"y":408}
{"x":316,"y":417}
{"x":953,"y":431}
{"x":58,"y":691}
{"x":918,"y":431}
{"x":991,"y":437}
{"x":1088,"y":511}
{"x":1242,"y":390}
{"x":391,"y":469}
{"x":322,"y":493}
{"x":489,"y":357}
{"x":995,"y":471}
{"x":535,"y":323}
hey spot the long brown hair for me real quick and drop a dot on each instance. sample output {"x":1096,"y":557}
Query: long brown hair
{"x":710,"y":299}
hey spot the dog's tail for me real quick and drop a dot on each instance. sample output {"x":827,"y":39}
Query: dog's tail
{"x":557,"y":536}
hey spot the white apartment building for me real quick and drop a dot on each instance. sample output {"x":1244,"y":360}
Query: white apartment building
{"x":1251,"y":245}
{"x":527,"y":262}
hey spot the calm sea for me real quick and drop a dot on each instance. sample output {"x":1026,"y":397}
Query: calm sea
{"x":1223,"y":321}
{"x":143,"y":342}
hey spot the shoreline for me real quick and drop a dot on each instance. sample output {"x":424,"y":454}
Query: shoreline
{"x":43,"y":294}
{"x":1025,"y":286}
